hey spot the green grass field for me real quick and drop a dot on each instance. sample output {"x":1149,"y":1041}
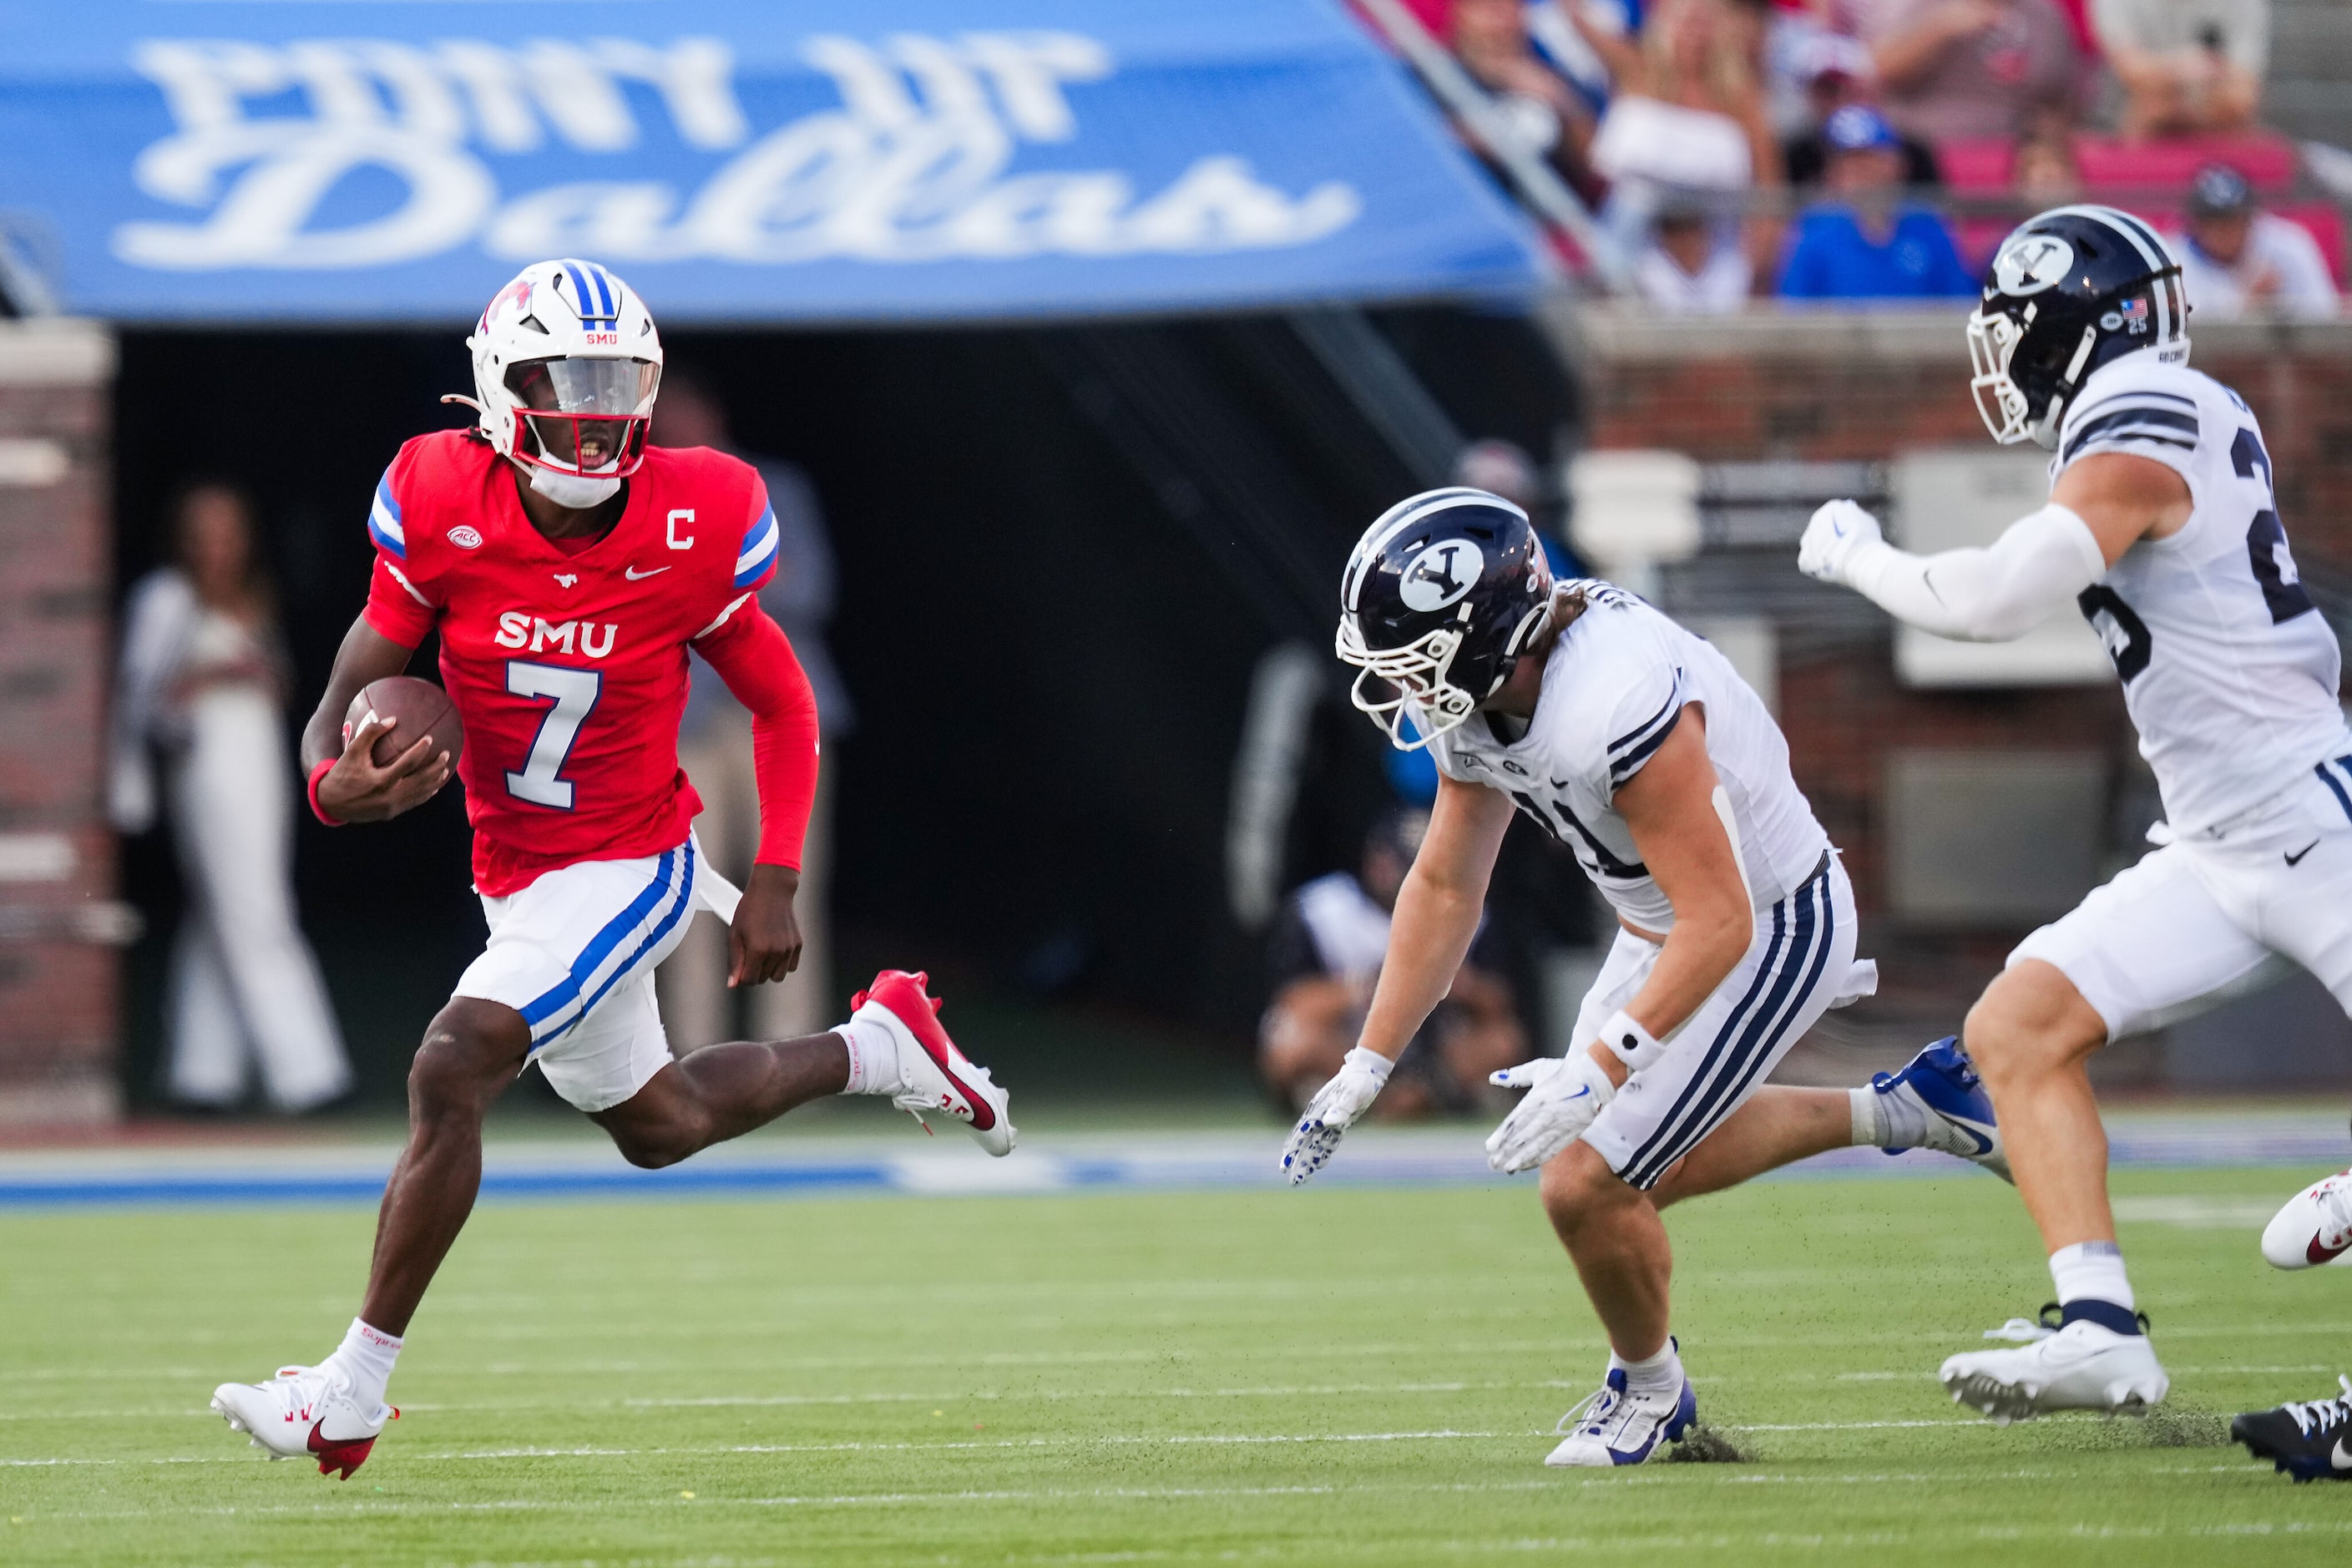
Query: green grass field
{"x":1335,"y":1376}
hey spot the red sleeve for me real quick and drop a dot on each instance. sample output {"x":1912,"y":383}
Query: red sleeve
{"x":395,"y":606}
{"x":755,"y":657}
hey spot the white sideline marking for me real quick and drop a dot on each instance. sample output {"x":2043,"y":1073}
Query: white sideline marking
{"x":2197,"y":1213}
{"x":1687,"y":1475}
{"x":471,"y":1456}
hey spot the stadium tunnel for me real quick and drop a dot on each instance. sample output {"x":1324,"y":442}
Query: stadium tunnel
{"x":1063,"y":552}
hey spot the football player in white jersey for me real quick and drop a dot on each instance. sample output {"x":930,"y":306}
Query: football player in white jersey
{"x":2161,"y":527}
{"x":1636,"y":744}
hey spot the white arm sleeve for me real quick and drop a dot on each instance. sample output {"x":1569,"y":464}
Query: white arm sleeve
{"x":2034,"y":568}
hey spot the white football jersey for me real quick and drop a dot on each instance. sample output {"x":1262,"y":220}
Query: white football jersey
{"x":2228,"y":670}
{"x":1614,"y":686}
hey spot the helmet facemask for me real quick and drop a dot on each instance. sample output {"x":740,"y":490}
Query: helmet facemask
{"x":585,"y":418}
{"x":1420,"y":675}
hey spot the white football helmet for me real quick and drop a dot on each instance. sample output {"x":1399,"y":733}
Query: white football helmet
{"x":566,"y":363}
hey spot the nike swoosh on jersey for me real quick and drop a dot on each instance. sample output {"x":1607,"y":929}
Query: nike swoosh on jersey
{"x":2299,"y":854}
{"x":634,"y":575}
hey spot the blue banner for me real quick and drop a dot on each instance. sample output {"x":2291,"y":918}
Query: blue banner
{"x":849,"y":160}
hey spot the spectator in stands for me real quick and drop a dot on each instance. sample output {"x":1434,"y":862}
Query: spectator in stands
{"x":2045,"y":172}
{"x":1954,"y":70}
{"x":1691,"y":267}
{"x":714,"y":746}
{"x":2237,"y":260}
{"x":1325,"y":952}
{"x":1689,"y":114}
{"x":1836,"y":71}
{"x":203,"y":679}
{"x":1550,"y":117}
{"x":2188,"y":67}
{"x":1870,"y":245}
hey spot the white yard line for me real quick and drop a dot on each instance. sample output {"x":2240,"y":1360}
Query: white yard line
{"x":1678,"y":1474}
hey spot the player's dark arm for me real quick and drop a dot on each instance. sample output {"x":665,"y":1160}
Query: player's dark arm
{"x":355,"y":789}
{"x":1437,"y":912}
{"x":1670,"y":807}
{"x":755,"y":659}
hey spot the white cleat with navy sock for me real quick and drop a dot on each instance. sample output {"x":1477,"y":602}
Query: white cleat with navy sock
{"x":2077,"y":1363}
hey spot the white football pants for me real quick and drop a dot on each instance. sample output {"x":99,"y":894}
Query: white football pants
{"x":2214,"y":915}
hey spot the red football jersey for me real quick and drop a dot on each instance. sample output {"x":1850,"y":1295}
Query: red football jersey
{"x":569,"y":670}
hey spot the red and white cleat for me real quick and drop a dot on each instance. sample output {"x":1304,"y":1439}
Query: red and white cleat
{"x":305,"y":1412}
{"x":938,"y":1077}
{"x":2314,"y":1227}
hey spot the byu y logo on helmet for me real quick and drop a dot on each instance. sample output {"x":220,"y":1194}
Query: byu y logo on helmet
{"x":1441,"y":596}
{"x":2072,"y":289}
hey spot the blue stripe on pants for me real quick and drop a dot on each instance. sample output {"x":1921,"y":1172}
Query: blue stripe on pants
{"x":1746,"y":1037}
{"x":1755,"y":1051}
{"x":677,"y":912}
{"x":1764,"y":976}
{"x":598,"y":948}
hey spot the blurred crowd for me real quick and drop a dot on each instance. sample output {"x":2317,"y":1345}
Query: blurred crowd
{"x":1849,"y":150}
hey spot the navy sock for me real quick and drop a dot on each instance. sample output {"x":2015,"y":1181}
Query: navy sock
{"x":2106,"y":1314}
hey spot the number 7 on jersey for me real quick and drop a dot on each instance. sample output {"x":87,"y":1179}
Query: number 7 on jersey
{"x":575,"y":692}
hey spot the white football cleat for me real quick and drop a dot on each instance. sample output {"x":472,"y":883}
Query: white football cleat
{"x":2081,"y":1366}
{"x":1614,"y":1427}
{"x":305,"y":1412}
{"x":938,"y":1075}
{"x":2314,"y":1227}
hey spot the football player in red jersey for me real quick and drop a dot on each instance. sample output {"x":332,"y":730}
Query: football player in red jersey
{"x":569,"y":568}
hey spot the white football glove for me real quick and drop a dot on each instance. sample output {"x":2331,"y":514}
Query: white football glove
{"x":1564,"y":1094}
{"x":1332,"y":1111}
{"x":1836,"y":531}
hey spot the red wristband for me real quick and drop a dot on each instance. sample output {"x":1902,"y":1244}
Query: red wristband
{"x":320,"y":771}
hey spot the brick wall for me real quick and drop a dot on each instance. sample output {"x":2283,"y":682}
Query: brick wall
{"x":59,"y":927}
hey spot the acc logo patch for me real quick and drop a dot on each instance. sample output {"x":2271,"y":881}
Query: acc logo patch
{"x":2030,"y":265}
{"x":1440,"y":575}
{"x":465,"y":537}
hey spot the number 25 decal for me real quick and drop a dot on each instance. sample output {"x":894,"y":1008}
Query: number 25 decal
{"x":575,"y":691}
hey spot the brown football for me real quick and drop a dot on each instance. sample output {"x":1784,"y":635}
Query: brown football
{"x":422,"y":708}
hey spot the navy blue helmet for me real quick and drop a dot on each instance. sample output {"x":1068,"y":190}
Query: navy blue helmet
{"x":2071,"y":291}
{"x":1439,"y":600}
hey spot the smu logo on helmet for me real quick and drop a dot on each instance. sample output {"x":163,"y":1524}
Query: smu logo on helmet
{"x":1440,"y":575}
{"x":2031,"y":263}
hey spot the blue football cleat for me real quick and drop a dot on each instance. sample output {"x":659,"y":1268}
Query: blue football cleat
{"x":1614,"y":1427}
{"x":1939,"y":1095}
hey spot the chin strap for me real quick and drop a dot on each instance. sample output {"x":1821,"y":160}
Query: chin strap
{"x":461,"y":397}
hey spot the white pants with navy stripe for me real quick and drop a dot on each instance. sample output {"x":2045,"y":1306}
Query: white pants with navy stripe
{"x":1800,"y":965}
{"x":2213,"y":915}
{"x":574,"y":954}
